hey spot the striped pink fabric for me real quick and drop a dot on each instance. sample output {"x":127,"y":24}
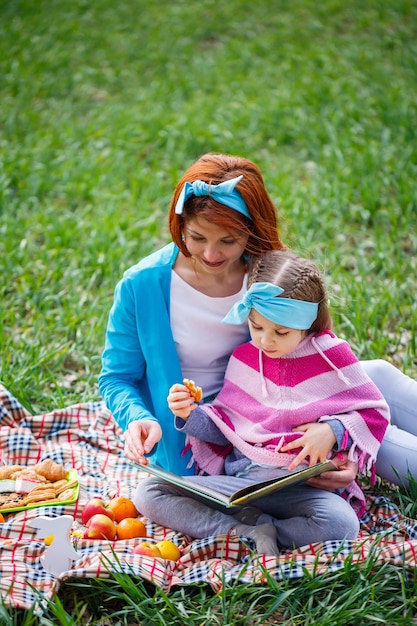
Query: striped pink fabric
{"x":264,"y":399}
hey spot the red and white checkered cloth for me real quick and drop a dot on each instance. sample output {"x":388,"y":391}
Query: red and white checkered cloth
{"x":85,"y":437}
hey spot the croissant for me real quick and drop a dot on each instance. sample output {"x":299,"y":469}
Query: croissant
{"x":51,"y":470}
{"x":6,"y":471}
{"x":26,"y":472}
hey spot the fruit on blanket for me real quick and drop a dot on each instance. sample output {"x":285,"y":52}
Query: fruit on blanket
{"x":93,"y":507}
{"x":147,"y":548}
{"x":100,"y":526}
{"x":168,"y":550}
{"x":130,"y":528}
{"x":1,"y":518}
{"x":122,"y":507}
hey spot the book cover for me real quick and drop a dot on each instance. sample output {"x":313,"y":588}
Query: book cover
{"x":245,"y":495}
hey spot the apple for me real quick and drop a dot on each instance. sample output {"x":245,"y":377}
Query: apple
{"x":147,"y":548}
{"x":93,"y":507}
{"x":100,"y":526}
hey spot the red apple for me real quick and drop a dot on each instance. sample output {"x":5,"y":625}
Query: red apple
{"x":147,"y":548}
{"x":93,"y":507}
{"x":100,"y":526}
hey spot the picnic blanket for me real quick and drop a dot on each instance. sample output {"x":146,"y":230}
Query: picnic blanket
{"x":86,"y":437}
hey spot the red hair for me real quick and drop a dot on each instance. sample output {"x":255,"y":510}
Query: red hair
{"x":262,"y":229}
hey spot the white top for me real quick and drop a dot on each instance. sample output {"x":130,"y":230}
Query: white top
{"x":203,"y":343}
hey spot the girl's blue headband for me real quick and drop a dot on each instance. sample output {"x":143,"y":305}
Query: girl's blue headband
{"x":225,"y":193}
{"x":287,"y":312}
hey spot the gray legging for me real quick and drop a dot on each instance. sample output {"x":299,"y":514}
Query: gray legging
{"x":300,"y":514}
{"x":398,"y":452}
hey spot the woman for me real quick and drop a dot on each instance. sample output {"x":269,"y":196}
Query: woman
{"x":165,"y":322}
{"x":397,"y":457}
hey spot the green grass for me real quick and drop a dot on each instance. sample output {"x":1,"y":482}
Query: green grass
{"x":104,"y":105}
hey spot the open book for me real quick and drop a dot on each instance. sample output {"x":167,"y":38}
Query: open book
{"x":243,"y":496}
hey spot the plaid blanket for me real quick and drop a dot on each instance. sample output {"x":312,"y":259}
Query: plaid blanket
{"x":85,"y":437}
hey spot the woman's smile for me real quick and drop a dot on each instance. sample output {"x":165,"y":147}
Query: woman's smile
{"x":212,"y":264}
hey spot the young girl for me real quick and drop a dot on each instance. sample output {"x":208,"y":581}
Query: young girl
{"x":292,"y":396}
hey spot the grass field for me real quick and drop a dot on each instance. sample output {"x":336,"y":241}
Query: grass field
{"x":103,"y":106}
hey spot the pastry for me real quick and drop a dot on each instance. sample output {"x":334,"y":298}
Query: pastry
{"x":51,"y":470}
{"x":11,"y":500}
{"x":6,"y":471}
{"x":45,"y":482}
{"x":194,"y":389}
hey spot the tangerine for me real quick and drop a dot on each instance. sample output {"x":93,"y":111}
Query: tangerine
{"x":168,"y":550}
{"x":130,"y":527}
{"x":121,"y":508}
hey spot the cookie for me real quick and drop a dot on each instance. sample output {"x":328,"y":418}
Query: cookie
{"x":194,"y":389}
{"x":11,"y":500}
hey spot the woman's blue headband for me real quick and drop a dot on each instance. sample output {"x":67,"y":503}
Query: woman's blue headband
{"x":225,"y":193}
{"x":264,"y":298}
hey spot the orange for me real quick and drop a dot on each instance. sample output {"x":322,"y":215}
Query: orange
{"x":130,"y":527}
{"x":1,"y":518}
{"x":121,"y":508}
{"x":168,"y":550}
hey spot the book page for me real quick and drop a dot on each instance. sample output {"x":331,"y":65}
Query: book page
{"x":245,"y":495}
{"x":253,"y":492}
{"x":187,"y":485}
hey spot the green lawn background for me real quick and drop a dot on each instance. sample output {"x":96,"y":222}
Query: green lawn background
{"x":104,"y":104}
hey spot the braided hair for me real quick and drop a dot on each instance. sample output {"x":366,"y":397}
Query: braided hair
{"x":299,"y":278}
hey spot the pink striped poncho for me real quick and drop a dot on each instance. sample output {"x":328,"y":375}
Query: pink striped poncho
{"x":264,"y":399}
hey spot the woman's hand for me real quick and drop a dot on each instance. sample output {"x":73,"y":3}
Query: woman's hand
{"x":140,"y":438}
{"x":329,"y":481}
{"x":180,"y":401}
{"x":316,"y":443}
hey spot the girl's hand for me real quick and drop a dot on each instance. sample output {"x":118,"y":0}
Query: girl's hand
{"x":329,"y":481}
{"x":140,"y":438}
{"x":180,"y":401}
{"x":316,"y":443}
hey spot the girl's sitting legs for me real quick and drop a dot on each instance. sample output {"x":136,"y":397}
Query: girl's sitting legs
{"x":300,"y":514}
{"x":304,"y":514}
{"x":169,"y":506}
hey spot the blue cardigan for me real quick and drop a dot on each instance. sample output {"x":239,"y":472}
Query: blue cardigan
{"x":140,"y":360}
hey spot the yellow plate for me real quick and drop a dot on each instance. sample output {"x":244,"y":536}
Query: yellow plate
{"x":72,"y":475}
